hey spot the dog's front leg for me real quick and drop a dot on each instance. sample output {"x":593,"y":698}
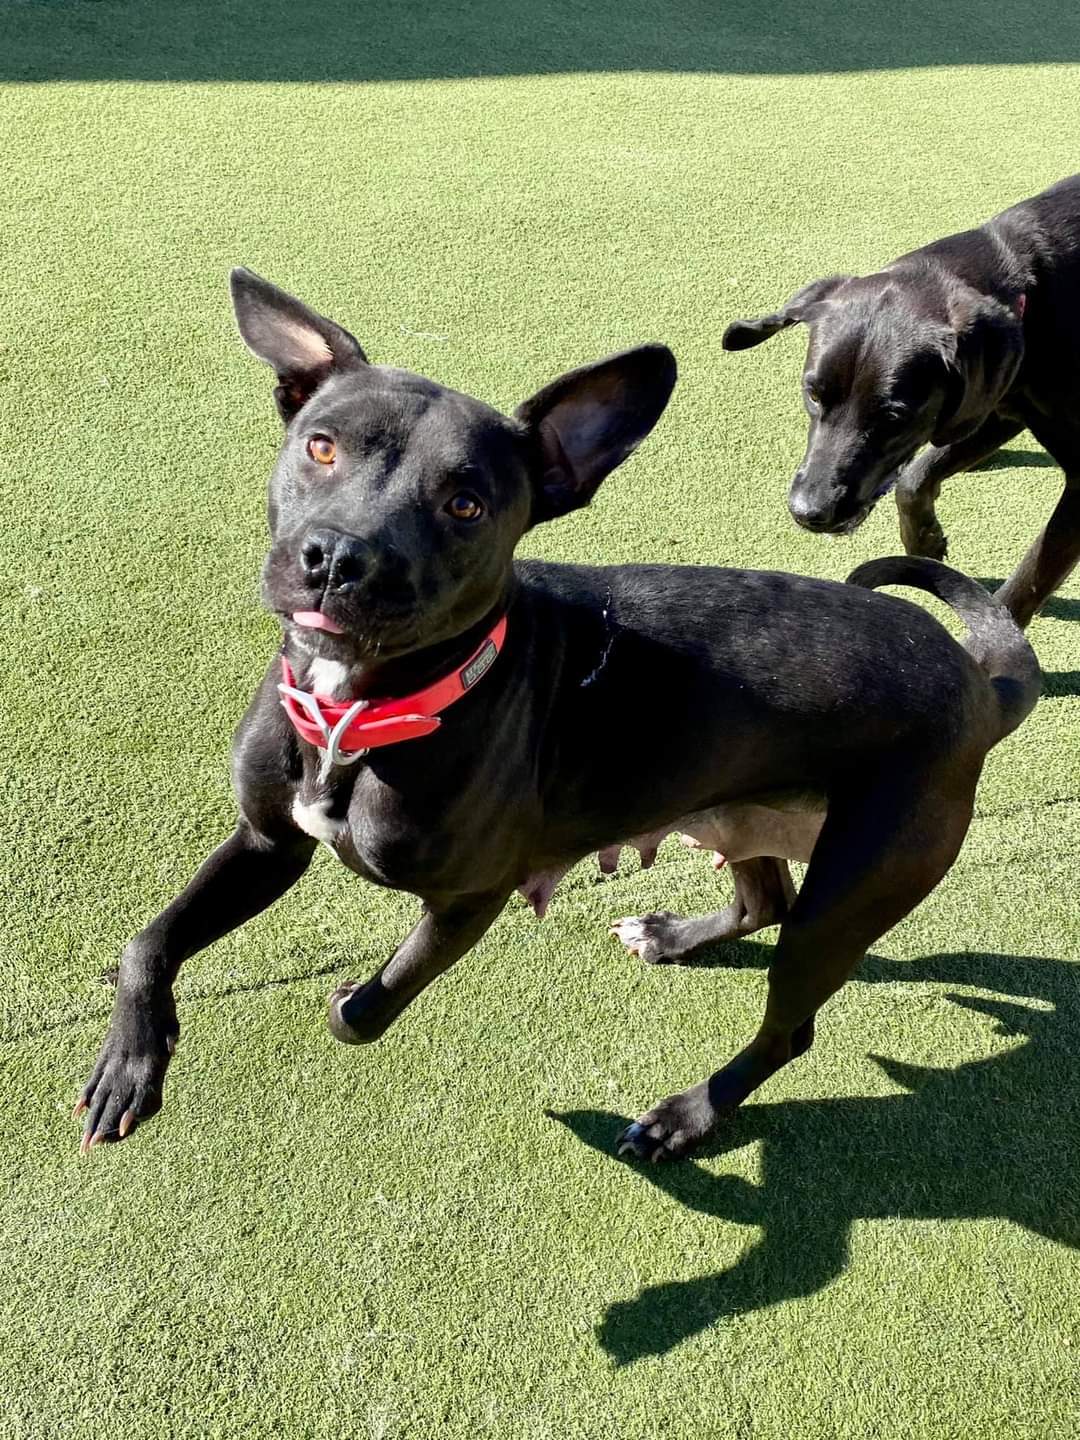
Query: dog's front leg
{"x":361,"y":1012}
{"x":243,"y":876}
{"x":920,"y":483}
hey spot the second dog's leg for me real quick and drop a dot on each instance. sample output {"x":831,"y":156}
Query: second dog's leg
{"x":1050,"y":560}
{"x":880,"y":852}
{"x":920,"y":484}
{"x":763,"y":896}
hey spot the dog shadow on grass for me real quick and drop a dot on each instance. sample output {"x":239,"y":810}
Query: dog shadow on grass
{"x":994,"y":1138}
{"x":1016,"y":460}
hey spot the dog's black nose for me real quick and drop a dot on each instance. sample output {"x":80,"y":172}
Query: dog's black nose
{"x":808,"y":510}
{"x":332,"y":560}
{"x":317,"y":554}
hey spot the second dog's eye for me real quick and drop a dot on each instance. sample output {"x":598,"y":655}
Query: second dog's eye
{"x":464,"y":506}
{"x":322,"y":449}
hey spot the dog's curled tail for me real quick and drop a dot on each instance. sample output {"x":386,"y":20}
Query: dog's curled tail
{"x":995,"y":640}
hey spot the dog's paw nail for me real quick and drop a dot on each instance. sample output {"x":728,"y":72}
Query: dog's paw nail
{"x":80,"y":1108}
{"x":127,"y":1121}
{"x":628,"y":1140}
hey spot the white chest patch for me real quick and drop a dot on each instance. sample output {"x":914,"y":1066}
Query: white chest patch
{"x":327,"y":678}
{"x":314,"y":820}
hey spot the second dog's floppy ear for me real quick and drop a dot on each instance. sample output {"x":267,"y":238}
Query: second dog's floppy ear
{"x":742,"y":334}
{"x":982,"y":351}
{"x":589,"y":420}
{"x":301,"y":346}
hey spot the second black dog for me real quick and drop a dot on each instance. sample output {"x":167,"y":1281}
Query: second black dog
{"x":959,"y":346}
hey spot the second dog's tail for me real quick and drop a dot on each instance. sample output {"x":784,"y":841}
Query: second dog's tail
{"x":995,"y":640}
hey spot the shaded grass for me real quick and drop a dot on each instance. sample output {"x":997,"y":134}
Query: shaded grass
{"x":89,"y":40}
{"x":401,"y":1241}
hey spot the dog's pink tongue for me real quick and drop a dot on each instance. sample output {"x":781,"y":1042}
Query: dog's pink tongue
{"x":316,"y":620}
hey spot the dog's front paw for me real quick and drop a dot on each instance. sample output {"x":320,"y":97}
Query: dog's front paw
{"x":126,"y":1083}
{"x":656,"y":938}
{"x":672,"y":1128}
{"x":933,"y":544}
{"x":926,"y":540}
{"x":357,"y":1013}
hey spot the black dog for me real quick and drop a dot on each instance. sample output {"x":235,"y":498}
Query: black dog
{"x":961,"y":345}
{"x":542,"y":712}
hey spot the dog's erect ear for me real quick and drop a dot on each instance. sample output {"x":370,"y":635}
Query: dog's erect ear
{"x":742,"y":334}
{"x":301,"y":346}
{"x":982,"y":350}
{"x":589,"y":420}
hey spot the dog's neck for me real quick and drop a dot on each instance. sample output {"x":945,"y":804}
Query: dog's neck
{"x":336,"y":678}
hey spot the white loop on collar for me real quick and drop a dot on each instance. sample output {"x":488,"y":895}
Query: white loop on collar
{"x":334,"y":755}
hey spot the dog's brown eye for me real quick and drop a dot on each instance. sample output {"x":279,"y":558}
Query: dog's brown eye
{"x":464,"y":506}
{"x":322,"y":449}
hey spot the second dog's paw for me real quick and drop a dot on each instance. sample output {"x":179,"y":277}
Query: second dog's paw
{"x":654,"y":938}
{"x":931,"y":543}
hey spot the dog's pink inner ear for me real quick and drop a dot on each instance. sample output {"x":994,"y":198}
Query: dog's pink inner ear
{"x":303,"y":349}
{"x":295,"y":348}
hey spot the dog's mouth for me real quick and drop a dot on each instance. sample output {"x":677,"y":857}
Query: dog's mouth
{"x":853,"y":521}
{"x":316,"y":620}
{"x":367,"y":637}
{"x":343,"y":625}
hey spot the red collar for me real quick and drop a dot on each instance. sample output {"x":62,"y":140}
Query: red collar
{"x":346,"y":730}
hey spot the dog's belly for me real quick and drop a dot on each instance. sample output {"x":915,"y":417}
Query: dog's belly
{"x":733,"y":832}
{"x":742,"y":832}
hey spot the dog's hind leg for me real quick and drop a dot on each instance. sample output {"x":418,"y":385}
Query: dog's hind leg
{"x":920,"y":483}
{"x":1050,"y":560}
{"x":881,"y":850}
{"x":764,"y":893}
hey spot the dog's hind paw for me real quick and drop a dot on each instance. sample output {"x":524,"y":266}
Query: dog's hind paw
{"x":657,"y":938}
{"x":670,"y":1129}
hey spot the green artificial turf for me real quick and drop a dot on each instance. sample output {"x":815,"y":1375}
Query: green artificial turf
{"x":430,"y":1237}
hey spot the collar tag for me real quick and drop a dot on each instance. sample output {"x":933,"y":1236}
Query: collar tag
{"x":477,"y":668}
